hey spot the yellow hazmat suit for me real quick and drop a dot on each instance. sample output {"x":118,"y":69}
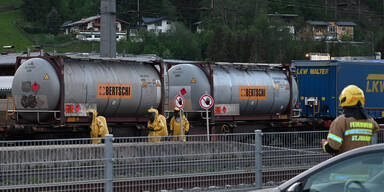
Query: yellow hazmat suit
{"x":157,"y":126}
{"x":175,"y":126}
{"x":98,"y":126}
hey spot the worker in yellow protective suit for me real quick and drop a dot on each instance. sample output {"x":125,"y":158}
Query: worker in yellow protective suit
{"x":98,"y":126}
{"x":174,"y":126}
{"x":157,"y":126}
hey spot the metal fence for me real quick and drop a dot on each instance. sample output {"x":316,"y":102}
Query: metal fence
{"x":230,"y":162}
{"x":287,"y":154}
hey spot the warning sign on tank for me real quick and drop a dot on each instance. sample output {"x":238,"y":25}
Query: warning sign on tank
{"x":253,"y":92}
{"x":114,"y":91}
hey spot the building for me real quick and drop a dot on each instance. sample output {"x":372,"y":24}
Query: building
{"x":345,"y":30}
{"x":88,"y":29}
{"x":157,"y":25}
{"x":332,"y":30}
{"x":289,"y":19}
{"x":198,"y":27}
{"x":319,"y":30}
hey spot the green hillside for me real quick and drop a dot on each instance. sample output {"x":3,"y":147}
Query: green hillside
{"x":9,"y":4}
{"x":242,"y":33}
{"x":9,"y":34}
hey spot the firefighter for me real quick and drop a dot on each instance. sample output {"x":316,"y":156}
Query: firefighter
{"x":354,"y":128}
{"x":98,"y":126}
{"x":174,"y":127}
{"x":157,"y":126}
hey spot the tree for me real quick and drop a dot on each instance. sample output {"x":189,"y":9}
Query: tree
{"x":36,"y":10}
{"x":53,"y":21}
{"x":217,"y":45}
{"x":182,"y":43}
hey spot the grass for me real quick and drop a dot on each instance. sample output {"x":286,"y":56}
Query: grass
{"x":9,"y":34}
{"x":6,"y":5}
{"x":44,"y":38}
{"x":82,"y":47}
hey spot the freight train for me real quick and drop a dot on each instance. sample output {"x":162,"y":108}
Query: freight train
{"x":53,"y":93}
{"x":321,"y":82}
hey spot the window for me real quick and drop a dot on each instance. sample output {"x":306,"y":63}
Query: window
{"x":364,"y":171}
{"x":332,"y":29}
{"x":343,"y":29}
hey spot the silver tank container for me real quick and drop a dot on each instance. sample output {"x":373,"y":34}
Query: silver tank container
{"x":256,"y":92}
{"x":90,"y":82}
{"x":190,"y":78}
{"x":36,"y":86}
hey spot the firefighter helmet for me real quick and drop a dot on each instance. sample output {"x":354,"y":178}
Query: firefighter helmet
{"x":351,"y":96}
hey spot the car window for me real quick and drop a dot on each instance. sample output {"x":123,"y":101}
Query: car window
{"x":363,"y":169}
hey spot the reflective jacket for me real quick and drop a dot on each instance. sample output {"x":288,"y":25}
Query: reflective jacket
{"x":347,"y":133}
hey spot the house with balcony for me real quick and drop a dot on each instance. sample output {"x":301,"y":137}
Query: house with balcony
{"x":88,"y":29}
{"x":331,"y":30}
{"x":344,"y":30}
{"x":157,"y":25}
{"x":319,"y":30}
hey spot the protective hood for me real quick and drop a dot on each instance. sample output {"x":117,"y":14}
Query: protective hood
{"x":153,"y":111}
{"x":94,"y":112}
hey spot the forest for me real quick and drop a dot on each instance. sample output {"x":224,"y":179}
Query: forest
{"x":233,"y":30}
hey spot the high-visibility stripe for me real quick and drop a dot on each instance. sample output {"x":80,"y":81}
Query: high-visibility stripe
{"x":361,"y":125}
{"x":335,"y":138}
{"x":358,"y":131}
{"x":346,"y":177}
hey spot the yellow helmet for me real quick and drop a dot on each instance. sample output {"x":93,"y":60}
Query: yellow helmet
{"x":351,"y":95}
{"x":176,"y":109}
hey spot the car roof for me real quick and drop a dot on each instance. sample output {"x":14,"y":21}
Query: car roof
{"x":361,"y":150}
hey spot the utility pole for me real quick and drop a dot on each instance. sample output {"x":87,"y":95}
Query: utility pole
{"x":108,"y":28}
{"x":256,"y":8}
{"x":336,"y":3}
{"x":138,"y":10}
{"x":359,"y":9}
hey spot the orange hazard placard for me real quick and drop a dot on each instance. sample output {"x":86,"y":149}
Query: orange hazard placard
{"x":114,"y":91}
{"x":253,"y":92}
